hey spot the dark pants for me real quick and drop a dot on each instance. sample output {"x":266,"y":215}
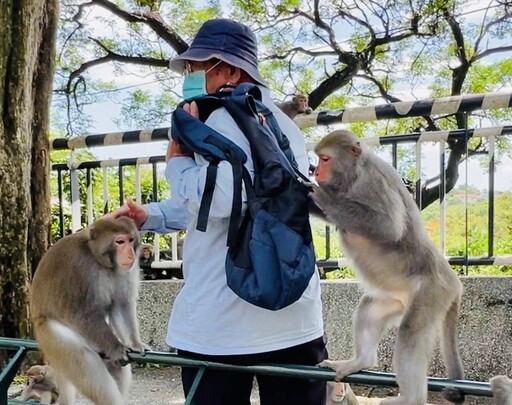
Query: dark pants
{"x":219,"y":387}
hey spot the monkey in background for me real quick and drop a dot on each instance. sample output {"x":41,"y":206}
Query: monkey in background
{"x":83,"y":304}
{"x":501,"y":387}
{"x":147,"y":255}
{"x":340,"y":393}
{"x":41,"y":385}
{"x":297,"y":105}
{"x":406,"y":279}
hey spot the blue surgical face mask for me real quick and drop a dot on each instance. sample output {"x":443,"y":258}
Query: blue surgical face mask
{"x":194,"y":83}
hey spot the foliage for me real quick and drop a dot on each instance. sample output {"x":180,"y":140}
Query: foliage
{"x":341,"y":54}
{"x":471,"y":238}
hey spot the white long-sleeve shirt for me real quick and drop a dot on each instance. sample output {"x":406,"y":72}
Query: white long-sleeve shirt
{"x":207,"y":317}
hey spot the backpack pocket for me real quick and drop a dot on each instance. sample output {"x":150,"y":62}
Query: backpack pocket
{"x":279,"y":268}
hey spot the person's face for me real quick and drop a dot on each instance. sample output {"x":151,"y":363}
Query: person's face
{"x":218,"y":73}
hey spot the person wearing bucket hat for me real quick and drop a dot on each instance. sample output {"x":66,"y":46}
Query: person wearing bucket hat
{"x":208,"y":320}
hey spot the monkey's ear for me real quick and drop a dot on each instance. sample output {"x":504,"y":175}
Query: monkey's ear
{"x":356,"y":149}
{"x":93,"y":232}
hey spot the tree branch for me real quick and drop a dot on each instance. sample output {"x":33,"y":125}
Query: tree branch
{"x":491,"y":51}
{"x":113,"y":57}
{"x":383,"y":92}
{"x":335,"y":82}
{"x":151,"y":18}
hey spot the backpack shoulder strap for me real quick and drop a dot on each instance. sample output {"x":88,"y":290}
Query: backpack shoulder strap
{"x":199,"y":138}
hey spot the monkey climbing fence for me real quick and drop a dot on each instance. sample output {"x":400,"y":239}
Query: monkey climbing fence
{"x":431,"y":107}
{"x":22,"y":346}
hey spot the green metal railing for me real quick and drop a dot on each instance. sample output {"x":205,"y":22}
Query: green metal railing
{"x":22,"y":346}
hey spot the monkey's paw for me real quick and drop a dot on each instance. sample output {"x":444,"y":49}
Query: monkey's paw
{"x":342,"y":368}
{"x":118,"y":356}
{"x":139,"y":347}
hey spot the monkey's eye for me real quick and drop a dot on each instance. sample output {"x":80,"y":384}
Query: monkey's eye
{"x":131,"y":240}
{"x":324,"y":158}
{"x":120,"y":241}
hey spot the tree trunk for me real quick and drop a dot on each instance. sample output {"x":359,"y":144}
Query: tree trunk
{"x":27,"y":59}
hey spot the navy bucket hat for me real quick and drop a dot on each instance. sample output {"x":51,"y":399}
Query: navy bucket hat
{"x":226,"y":40}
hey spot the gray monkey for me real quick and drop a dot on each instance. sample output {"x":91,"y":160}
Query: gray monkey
{"x":501,"y":387}
{"x":406,"y":279}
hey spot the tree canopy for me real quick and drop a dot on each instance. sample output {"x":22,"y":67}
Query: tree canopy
{"x":340,"y":54}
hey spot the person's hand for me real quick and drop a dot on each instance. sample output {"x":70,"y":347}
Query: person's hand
{"x":192,"y":109}
{"x":174,"y":149}
{"x":130,"y":209}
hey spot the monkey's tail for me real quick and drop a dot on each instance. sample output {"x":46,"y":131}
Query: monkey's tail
{"x":450,"y":350}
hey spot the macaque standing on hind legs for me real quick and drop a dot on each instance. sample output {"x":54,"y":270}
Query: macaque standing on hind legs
{"x":407,"y":281}
{"x":83,"y":305}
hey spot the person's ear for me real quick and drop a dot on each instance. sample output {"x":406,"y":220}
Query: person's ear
{"x":234,"y":74}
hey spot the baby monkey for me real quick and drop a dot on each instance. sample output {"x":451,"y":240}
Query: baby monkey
{"x":41,"y":385}
{"x":407,"y":281}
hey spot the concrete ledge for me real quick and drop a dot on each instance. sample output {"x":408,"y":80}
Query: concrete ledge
{"x":485,"y":326}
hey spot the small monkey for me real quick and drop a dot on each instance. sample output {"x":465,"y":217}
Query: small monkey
{"x":406,"y":280}
{"x":297,"y":105}
{"x":83,"y":305}
{"x":501,"y":387}
{"x":41,"y":385}
{"x":147,"y":255}
{"x":339,"y":393}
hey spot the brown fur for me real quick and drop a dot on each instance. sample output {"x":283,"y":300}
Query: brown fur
{"x":83,"y":305}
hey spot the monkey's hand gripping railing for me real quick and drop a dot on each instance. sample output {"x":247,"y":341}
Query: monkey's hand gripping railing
{"x":297,"y":371}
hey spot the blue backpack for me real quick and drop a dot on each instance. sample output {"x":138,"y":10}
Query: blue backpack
{"x":270,"y":257}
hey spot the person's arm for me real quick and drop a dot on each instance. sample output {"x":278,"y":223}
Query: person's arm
{"x":162,"y":217}
{"x":165,"y":216}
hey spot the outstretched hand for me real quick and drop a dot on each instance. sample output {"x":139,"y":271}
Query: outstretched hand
{"x":130,"y":209}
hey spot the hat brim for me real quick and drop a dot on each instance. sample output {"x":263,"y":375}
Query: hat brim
{"x":197,"y":54}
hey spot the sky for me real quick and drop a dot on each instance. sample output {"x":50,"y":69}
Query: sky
{"x":105,"y":113}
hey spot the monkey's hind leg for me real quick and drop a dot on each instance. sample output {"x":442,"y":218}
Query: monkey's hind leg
{"x":501,"y":387}
{"x":70,"y":356}
{"x":415,"y":342}
{"x":370,"y":320}
{"x":123,"y":377}
{"x":450,"y":350}
{"x":46,"y":398}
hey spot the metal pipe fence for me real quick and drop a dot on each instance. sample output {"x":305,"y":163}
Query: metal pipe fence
{"x":442,"y":106}
{"x":22,"y":346}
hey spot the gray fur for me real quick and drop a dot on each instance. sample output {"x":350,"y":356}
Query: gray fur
{"x":501,"y":390}
{"x":407,"y":280}
{"x":83,"y":305}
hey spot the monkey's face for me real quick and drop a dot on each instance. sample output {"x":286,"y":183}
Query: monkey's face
{"x":34,"y":375}
{"x":125,"y":251}
{"x":323,"y":171}
{"x":338,"y":154}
